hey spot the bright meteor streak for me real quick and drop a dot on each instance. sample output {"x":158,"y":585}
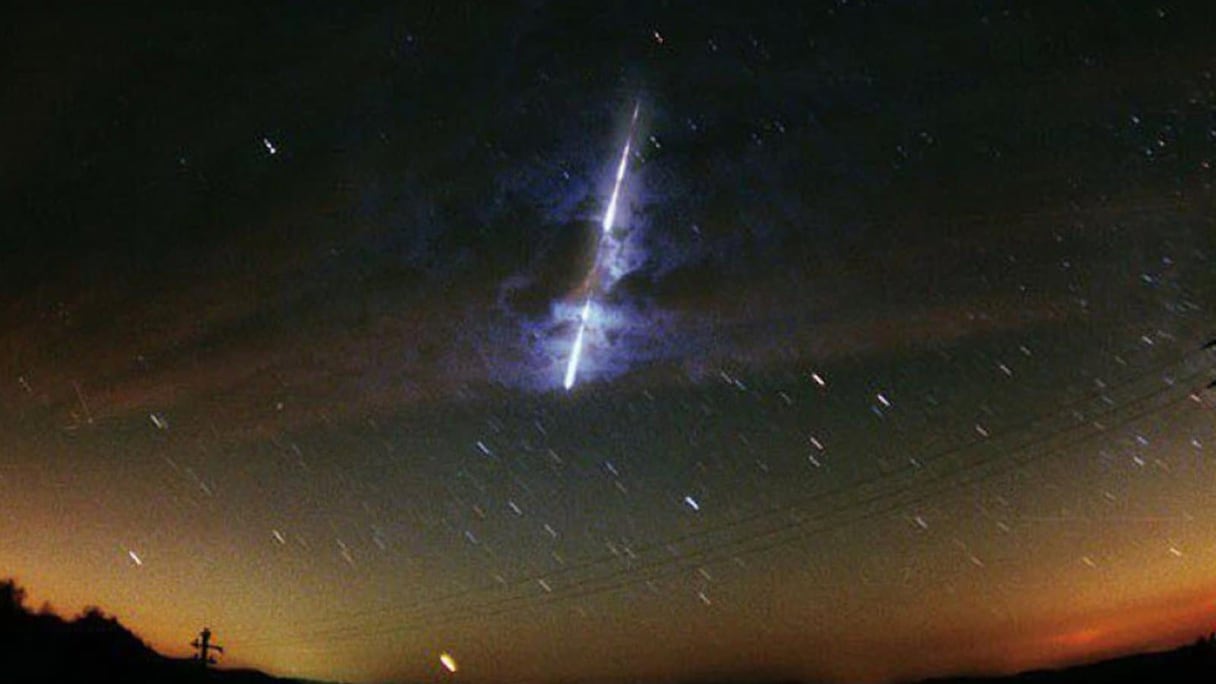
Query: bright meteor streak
{"x":576,"y":352}
{"x":610,"y":215}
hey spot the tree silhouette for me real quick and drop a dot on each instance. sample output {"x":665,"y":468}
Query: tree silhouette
{"x":12,"y":599}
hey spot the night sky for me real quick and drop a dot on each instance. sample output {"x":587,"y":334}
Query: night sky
{"x":893,"y":366}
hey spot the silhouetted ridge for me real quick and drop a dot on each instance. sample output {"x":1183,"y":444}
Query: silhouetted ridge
{"x":93,"y":647}
{"x":1194,"y":663}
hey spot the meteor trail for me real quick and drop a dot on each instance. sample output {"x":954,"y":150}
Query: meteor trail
{"x":576,"y":351}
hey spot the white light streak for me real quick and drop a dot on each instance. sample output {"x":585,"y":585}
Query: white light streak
{"x":576,"y":351}
{"x":610,"y":215}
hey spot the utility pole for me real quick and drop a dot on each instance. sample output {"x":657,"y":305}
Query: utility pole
{"x":204,"y":646}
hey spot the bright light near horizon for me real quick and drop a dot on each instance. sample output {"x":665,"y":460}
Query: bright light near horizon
{"x":449,"y":662}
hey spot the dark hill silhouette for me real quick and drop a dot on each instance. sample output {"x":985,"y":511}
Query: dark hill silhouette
{"x":1193,"y":663}
{"x":93,"y":648}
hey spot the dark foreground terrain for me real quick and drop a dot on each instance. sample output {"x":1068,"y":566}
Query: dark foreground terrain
{"x":94,"y":647}
{"x":1194,"y":663}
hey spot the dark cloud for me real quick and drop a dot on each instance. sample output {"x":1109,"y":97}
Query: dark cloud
{"x":555,"y":269}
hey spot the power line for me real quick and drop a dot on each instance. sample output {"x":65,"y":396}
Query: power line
{"x":777,"y":536}
{"x":548,"y":577}
{"x":1015,"y":429}
{"x":771,"y":539}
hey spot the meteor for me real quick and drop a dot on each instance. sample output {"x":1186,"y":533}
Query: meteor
{"x":576,"y":351}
